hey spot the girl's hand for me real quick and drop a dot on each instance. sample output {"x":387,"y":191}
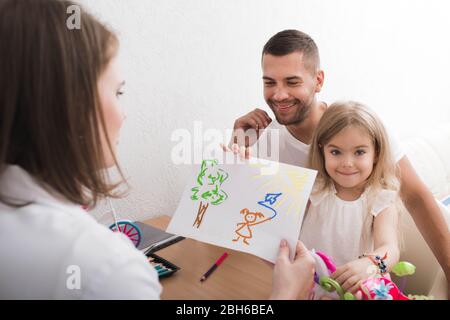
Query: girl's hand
{"x":351,"y":274}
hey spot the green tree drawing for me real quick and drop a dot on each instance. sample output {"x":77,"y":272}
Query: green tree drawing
{"x":209,"y":182}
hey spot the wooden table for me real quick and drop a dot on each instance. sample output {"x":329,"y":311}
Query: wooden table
{"x":240,"y":276}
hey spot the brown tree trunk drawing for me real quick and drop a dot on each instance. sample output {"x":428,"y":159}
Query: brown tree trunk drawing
{"x":201,"y":212}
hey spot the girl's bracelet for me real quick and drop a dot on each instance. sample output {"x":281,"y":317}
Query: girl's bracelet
{"x":377,"y":260}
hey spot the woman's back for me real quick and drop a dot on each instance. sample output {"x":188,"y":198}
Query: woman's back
{"x":52,"y":249}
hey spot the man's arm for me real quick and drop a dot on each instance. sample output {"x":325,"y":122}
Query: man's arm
{"x":426,"y":214}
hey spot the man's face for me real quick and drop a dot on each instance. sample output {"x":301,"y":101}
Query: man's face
{"x":289,"y":87}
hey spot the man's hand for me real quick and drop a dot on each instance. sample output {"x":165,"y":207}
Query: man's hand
{"x":243,"y":152}
{"x":257,"y":120}
{"x":292,"y":280}
{"x":351,"y":274}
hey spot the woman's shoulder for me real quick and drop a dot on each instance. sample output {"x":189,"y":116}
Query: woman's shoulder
{"x":52,"y":241}
{"x":117,"y":269}
{"x":60,"y":231}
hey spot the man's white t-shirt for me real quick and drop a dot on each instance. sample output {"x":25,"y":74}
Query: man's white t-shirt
{"x":53,"y":249}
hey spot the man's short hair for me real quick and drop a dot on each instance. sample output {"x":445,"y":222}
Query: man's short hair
{"x":289,"y":41}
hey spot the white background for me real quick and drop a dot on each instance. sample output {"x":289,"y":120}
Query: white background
{"x":199,"y":60}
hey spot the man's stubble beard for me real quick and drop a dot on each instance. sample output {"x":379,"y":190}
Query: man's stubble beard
{"x":301,"y":114}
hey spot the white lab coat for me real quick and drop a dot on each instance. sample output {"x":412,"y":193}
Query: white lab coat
{"x":53,"y":249}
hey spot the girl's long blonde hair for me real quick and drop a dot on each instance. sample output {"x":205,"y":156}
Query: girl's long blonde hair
{"x":341,"y":115}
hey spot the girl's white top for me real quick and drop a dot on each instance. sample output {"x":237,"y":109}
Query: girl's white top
{"x":53,"y":249}
{"x":333,"y":226}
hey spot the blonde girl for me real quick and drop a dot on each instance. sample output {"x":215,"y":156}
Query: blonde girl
{"x":352,"y":215}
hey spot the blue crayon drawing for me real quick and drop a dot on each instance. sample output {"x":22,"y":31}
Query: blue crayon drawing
{"x":271,"y":198}
{"x":253,"y":218}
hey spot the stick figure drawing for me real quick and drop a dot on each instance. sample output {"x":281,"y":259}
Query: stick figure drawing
{"x":251,"y":219}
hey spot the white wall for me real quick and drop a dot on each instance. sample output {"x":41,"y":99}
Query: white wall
{"x":200,"y":60}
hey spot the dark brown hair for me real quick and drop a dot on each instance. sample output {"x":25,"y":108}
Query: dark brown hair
{"x":50,"y":118}
{"x":290,"y":41}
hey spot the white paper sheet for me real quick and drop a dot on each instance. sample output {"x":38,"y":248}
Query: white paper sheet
{"x":238,"y":206}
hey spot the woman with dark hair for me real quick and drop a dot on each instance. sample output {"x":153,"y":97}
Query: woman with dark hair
{"x":59,"y":122}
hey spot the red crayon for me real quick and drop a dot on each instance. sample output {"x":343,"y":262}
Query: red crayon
{"x":214,"y":266}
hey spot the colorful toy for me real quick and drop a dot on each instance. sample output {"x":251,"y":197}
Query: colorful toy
{"x":324,"y":268}
{"x":126,"y":227}
{"x":403,"y":269}
{"x":129,"y":229}
{"x":376,"y":287}
{"x":381,"y":288}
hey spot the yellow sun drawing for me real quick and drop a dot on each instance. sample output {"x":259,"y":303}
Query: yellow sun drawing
{"x":289,"y":182}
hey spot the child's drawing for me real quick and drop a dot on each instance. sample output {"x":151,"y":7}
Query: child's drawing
{"x":209,"y":180}
{"x":226,"y":202}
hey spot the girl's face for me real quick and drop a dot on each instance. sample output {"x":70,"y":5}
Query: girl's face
{"x":349,"y":158}
{"x":110,"y":89}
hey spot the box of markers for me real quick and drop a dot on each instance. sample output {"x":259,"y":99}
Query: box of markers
{"x":162,"y":266}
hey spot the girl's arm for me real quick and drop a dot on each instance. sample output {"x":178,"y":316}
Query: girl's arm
{"x":385,"y":237}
